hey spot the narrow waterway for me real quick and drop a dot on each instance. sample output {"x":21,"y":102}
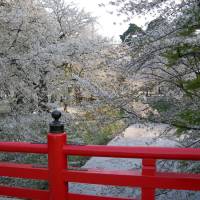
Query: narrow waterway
{"x":135,"y":135}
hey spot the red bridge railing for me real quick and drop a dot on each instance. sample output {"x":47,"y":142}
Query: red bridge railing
{"x":59,"y":175}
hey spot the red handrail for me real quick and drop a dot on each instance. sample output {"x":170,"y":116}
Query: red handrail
{"x":169,"y":153}
{"x":23,"y":147}
{"x":59,"y":175}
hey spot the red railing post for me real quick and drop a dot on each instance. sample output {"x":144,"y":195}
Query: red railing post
{"x":148,"y":169}
{"x":57,"y":161}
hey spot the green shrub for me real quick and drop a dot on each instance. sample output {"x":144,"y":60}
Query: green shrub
{"x":161,"y":105}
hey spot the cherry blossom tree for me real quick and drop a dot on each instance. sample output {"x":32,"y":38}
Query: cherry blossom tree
{"x":167,"y":57}
{"x":36,"y":41}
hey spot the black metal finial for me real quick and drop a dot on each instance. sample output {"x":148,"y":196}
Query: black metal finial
{"x":56,"y":115}
{"x":56,"y":126}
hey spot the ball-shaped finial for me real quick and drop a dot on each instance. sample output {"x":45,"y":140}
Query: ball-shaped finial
{"x":56,"y":126}
{"x":56,"y":115}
